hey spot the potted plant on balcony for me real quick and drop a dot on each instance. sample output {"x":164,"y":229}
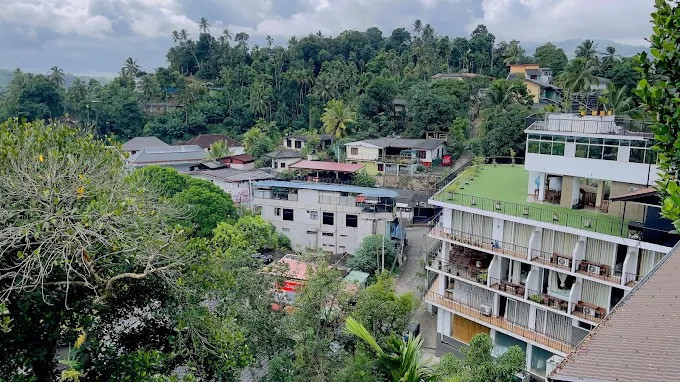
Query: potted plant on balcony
{"x":536,"y":298}
{"x":582,"y":110}
{"x":482,"y":276}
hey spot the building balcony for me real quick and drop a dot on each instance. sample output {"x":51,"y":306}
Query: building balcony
{"x":468,"y":272}
{"x":630,"y":279}
{"x":589,"y":312}
{"x":589,"y":124}
{"x":547,"y":300}
{"x":600,"y":271}
{"x":496,"y":322}
{"x":556,"y":260}
{"x":482,"y":242}
{"x":507,"y":287}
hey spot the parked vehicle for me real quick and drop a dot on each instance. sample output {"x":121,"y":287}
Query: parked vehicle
{"x":447,"y":160}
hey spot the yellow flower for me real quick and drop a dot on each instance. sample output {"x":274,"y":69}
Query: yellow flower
{"x":80,"y":190}
{"x":41,"y":158}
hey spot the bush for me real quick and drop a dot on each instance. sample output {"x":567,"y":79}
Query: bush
{"x":370,"y":252}
{"x":363,"y":180}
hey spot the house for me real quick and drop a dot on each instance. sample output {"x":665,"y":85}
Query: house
{"x":239,"y":162}
{"x":536,"y":255}
{"x":206,"y":140}
{"x":233,"y":181}
{"x":455,"y":76}
{"x":538,"y":82}
{"x":637,"y":340}
{"x":391,"y":155}
{"x":298,"y":142}
{"x":160,"y":107}
{"x":137,"y":143}
{"x":181,"y":158}
{"x":283,"y":158}
{"x":324,"y":171}
{"x":332,"y":217}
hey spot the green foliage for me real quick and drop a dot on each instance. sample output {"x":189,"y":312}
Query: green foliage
{"x":258,"y":140}
{"x":503,"y":133}
{"x":578,"y":75}
{"x":32,"y":97}
{"x":550,"y":56}
{"x":458,"y":134}
{"x":363,"y":180}
{"x":207,"y":206}
{"x":658,"y":91}
{"x":336,"y":117}
{"x":434,"y":106}
{"x":368,"y":257}
{"x":219,"y":150}
{"x":359,"y":367}
{"x":164,"y":180}
{"x":381,"y":310}
{"x":248,"y":234}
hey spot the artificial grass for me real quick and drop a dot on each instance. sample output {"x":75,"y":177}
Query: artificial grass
{"x":503,"y":189}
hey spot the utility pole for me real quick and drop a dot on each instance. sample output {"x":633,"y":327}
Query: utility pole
{"x":383,"y":248}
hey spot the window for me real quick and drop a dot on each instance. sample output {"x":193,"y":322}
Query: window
{"x":314,"y":215}
{"x":288,"y":143}
{"x":422,"y":154}
{"x":351,"y":220}
{"x":283,"y":165}
{"x":327,"y":218}
{"x":610,"y":153}
{"x":327,"y":234}
{"x":558,"y":148}
{"x":276,"y":164}
{"x":298,"y":144}
{"x":354,"y":150}
{"x":287,"y":214}
{"x":546,"y":144}
{"x":277,"y":211}
{"x":381,"y":167}
{"x":595,"y":152}
{"x":311,"y":232}
{"x":533,"y":147}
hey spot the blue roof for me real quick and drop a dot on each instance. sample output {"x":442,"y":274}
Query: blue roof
{"x":367,"y":191}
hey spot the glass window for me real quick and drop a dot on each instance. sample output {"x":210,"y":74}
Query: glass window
{"x":595,"y":152}
{"x":354,"y":150}
{"x":612,"y":142}
{"x":650,"y":156}
{"x":329,"y":234}
{"x":351,"y":220}
{"x":559,"y":138}
{"x":277,"y":211}
{"x":571,"y":139}
{"x":546,"y":138}
{"x":314,"y":215}
{"x":637,"y":143}
{"x":534,"y":136}
{"x":546,"y":147}
{"x":327,"y":218}
{"x":581,"y":151}
{"x":581,"y":140}
{"x":597,"y":141}
{"x":610,"y":153}
{"x":637,"y":155}
{"x":287,"y":214}
{"x":558,"y":148}
{"x":533,"y":147}
{"x":624,"y":143}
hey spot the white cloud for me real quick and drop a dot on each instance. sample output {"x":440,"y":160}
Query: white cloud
{"x":548,"y":20}
{"x":64,"y":17}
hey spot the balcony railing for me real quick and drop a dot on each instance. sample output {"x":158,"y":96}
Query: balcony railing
{"x":478,"y":275}
{"x":589,"y":124}
{"x":589,"y":312}
{"x":498,"y":322}
{"x":630,"y":279}
{"x":513,"y":250}
{"x":507,"y":287}
{"x":268,"y":194}
{"x":548,"y":300}
{"x":556,"y":260}
{"x":600,"y":271}
{"x":546,"y":215}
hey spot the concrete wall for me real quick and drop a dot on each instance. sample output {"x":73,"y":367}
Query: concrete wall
{"x":304,"y":231}
{"x":239,"y":191}
{"x":634,"y":211}
{"x":276,"y":163}
{"x":417,"y":182}
{"x":534,"y":90}
{"x":363,"y":153}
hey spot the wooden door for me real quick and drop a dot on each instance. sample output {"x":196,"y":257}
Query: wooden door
{"x":463,"y":329}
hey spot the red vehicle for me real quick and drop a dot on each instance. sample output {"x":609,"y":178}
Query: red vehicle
{"x":446,"y":160}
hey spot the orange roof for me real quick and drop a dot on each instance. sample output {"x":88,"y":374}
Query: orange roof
{"x":327,"y":166}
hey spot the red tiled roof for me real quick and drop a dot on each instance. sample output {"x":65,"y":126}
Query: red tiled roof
{"x":205,"y":140}
{"x":327,"y":166}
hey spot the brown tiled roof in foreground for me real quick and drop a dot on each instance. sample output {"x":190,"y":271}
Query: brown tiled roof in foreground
{"x":639,"y":340}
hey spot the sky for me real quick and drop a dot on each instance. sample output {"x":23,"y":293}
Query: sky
{"x":94,"y":37}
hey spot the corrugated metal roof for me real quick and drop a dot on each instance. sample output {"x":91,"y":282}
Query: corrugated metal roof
{"x":205,"y":140}
{"x":367,"y":191}
{"x":327,"y":166}
{"x":234,"y":175}
{"x":138,"y":143}
{"x":284,"y":153}
{"x":169,"y":154}
{"x":639,"y":340}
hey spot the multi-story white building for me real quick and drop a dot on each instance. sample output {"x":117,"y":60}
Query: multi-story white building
{"x":332,"y":217}
{"x":535,"y":255}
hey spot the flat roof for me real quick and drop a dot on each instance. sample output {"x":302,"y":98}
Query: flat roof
{"x":326,"y":166}
{"x":234,"y":175}
{"x":639,"y":340}
{"x":367,"y":191}
{"x":509,"y":184}
{"x":424,"y":144}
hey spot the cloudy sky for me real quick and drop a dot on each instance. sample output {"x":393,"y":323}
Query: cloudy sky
{"x":95,"y":36}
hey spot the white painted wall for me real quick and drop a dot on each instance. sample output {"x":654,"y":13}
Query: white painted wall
{"x":363,"y":153}
{"x":239,"y":191}
{"x":282,"y":164}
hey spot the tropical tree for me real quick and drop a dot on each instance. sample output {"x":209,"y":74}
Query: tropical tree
{"x":417,"y":26}
{"x":203,"y":25}
{"x":401,"y":360}
{"x":620,"y":102}
{"x":175,"y":36}
{"x":578,"y":75}
{"x":336,"y":117}
{"x":513,"y":53}
{"x":183,"y":35}
{"x":219,"y":149}
{"x":56,"y":76}
{"x":550,"y":56}
{"x":130,"y":68}
{"x":588,"y":51}
{"x":609,"y":58}
{"x":149,"y":86}
{"x":503,"y":93}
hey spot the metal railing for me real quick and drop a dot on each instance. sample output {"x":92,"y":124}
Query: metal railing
{"x":546,"y":215}
{"x":448,"y":178}
{"x":268,"y":194}
{"x":484,"y":242}
{"x":589,"y":124}
{"x":604,"y":273}
{"x":589,"y":313}
{"x":478,"y":275}
{"x":499,"y":322}
{"x":548,"y":300}
{"x":507,"y":287}
{"x":552,"y":259}
{"x":630,"y":279}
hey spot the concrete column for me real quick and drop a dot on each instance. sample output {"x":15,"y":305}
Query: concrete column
{"x":447,"y":218}
{"x":575,"y":190}
{"x":443,"y":282}
{"x":446,"y":323}
{"x":600,"y":193}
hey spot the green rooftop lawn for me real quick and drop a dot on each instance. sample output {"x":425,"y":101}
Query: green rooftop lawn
{"x":504,"y":189}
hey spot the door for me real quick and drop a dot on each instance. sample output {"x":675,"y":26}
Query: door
{"x":463,"y":329}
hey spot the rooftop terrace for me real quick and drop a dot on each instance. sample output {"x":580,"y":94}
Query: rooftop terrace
{"x":503,"y":189}
{"x":567,"y":123}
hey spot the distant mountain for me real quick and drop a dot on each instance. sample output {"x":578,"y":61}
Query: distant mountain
{"x":569,"y":47}
{"x":7,"y":74}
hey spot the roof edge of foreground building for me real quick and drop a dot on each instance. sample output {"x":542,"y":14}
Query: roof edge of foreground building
{"x":639,"y":340}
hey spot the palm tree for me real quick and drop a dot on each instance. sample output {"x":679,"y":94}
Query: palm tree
{"x":578,"y":75}
{"x":270,"y":41}
{"x":183,"y":35}
{"x":402,"y":360}
{"x":252,"y":137}
{"x":148,"y":86}
{"x":77,"y":92}
{"x":587,"y":50}
{"x":620,"y":102}
{"x":219,"y":149}
{"x":417,"y":26}
{"x":513,"y":53}
{"x":203,"y":25}
{"x":609,"y":57}
{"x":56,"y":76}
{"x":503,"y":93}
{"x":130,"y":68}
{"x":227,"y":34}
{"x":175,"y":36}
{"x":336,"y":117}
